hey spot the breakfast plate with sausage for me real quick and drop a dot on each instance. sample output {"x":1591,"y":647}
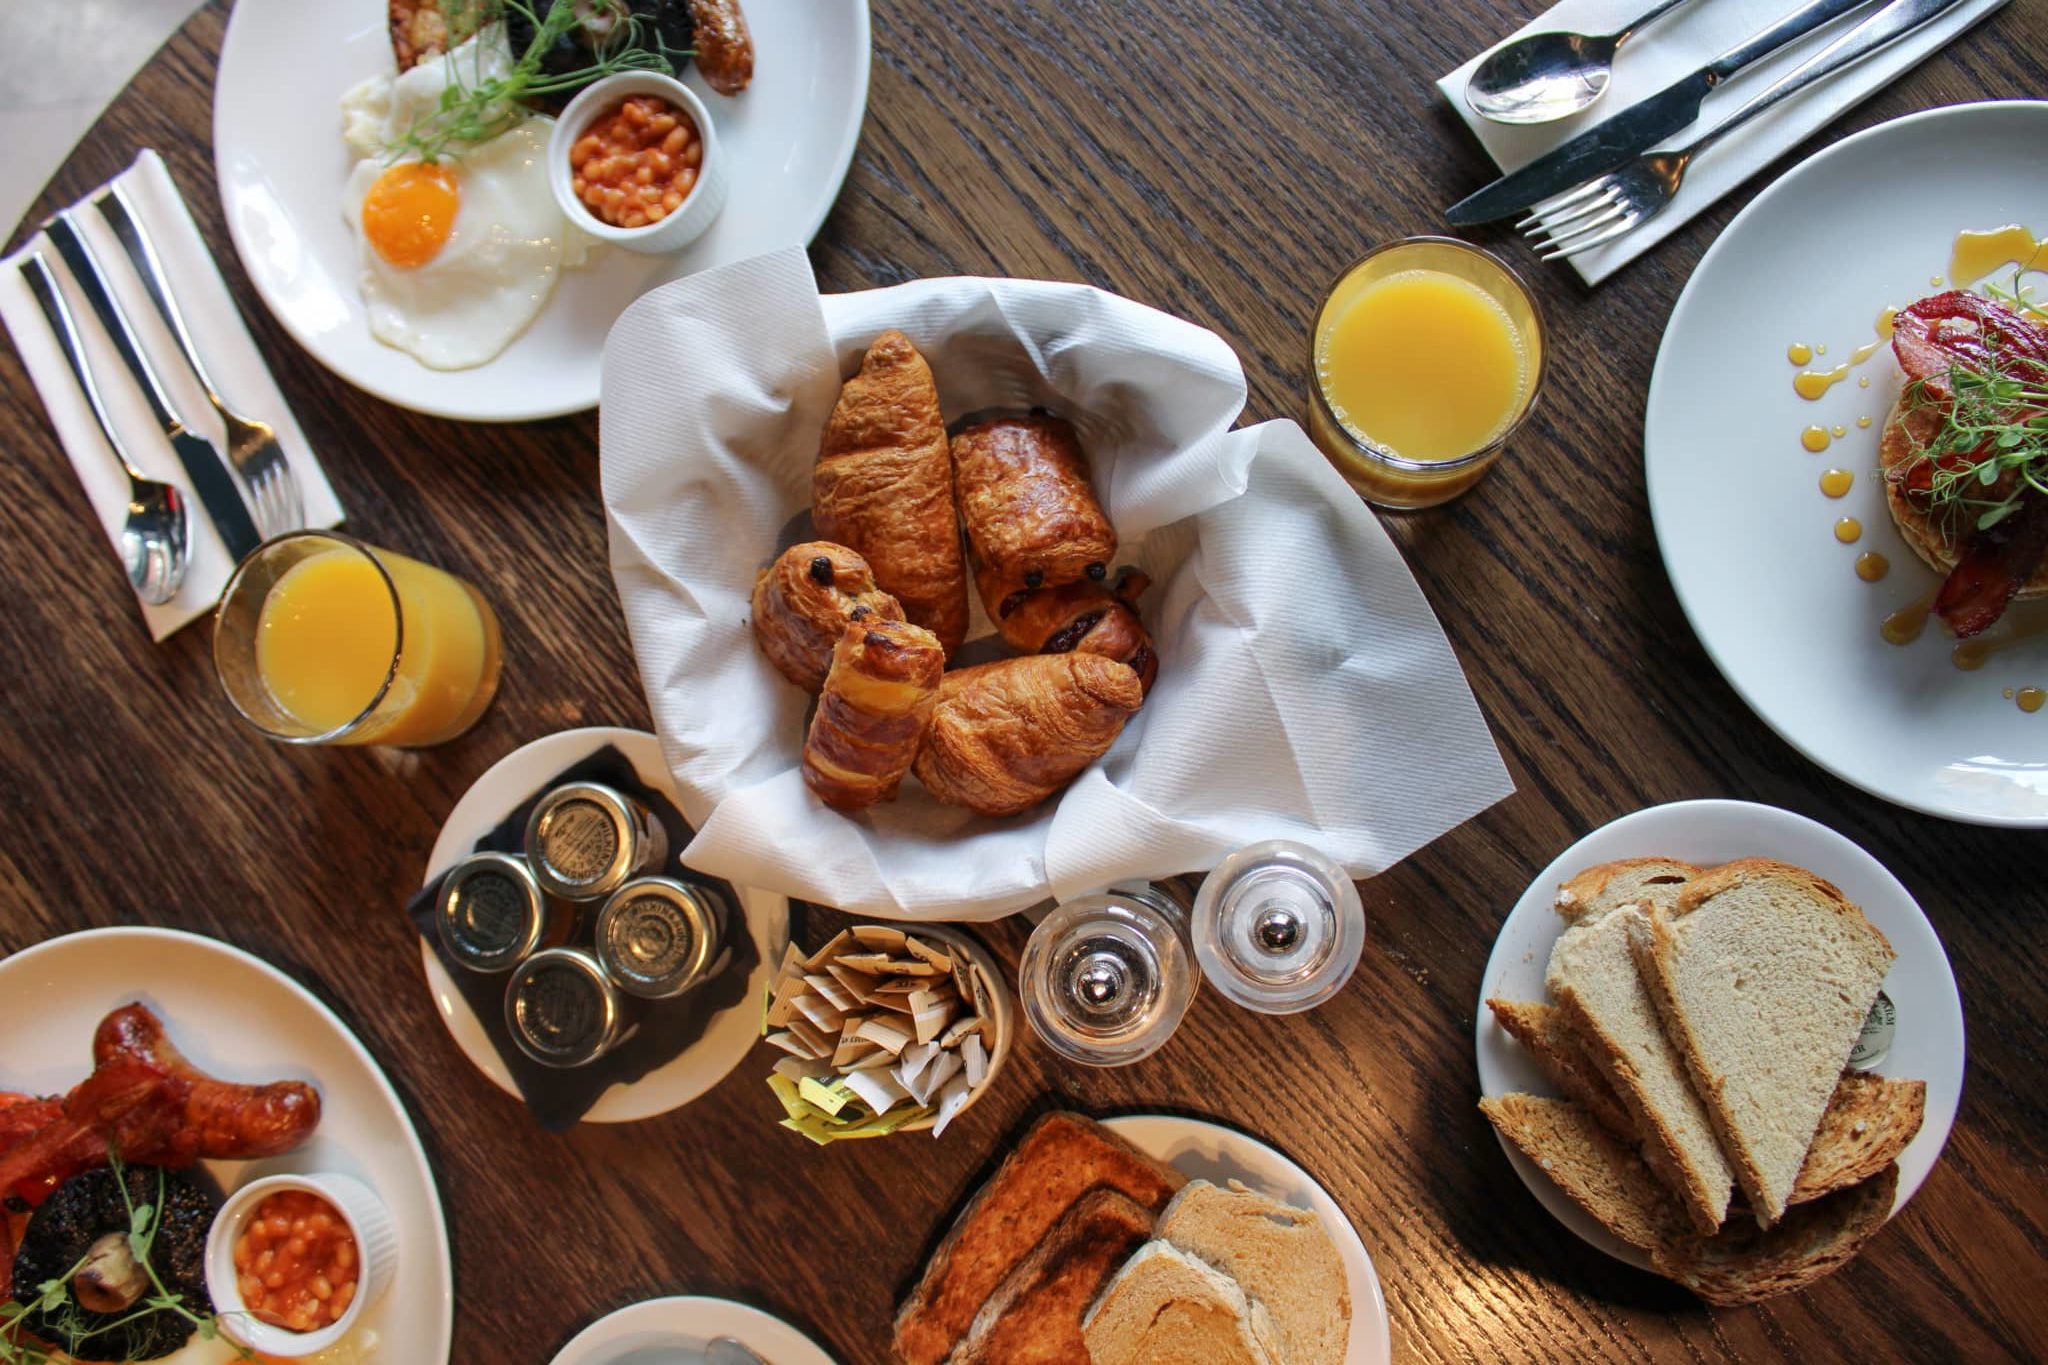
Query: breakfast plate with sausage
{"x":160,"y":1078}
{"x":391,"y":188}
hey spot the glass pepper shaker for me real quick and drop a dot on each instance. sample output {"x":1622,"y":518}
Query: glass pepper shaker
{"x":1107,"y":978}
{"x":1278,"y":927}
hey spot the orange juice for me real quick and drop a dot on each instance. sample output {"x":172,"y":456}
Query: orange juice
{"x":320,"y":639}
{"x":1425,"y":355}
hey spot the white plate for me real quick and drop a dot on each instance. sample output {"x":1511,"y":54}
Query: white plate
{"x":279,"y":156}
{"x":243,"y":1020}
{"x":620,"y":1338}
{"x":1211,"y":1152}
{"x":1928,"y":1045}
{"x":1747,"y":534}
{"x":731,"y":1034}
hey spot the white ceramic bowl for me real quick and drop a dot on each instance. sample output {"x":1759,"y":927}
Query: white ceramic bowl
{"x":698,"y":208}
{"x":376,"y":1251}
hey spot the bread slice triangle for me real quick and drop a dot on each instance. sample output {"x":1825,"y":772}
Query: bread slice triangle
{"x":1560,"y":1054}
{"x":1746,"y":1263}
{"x":1604,"y":1177}
{"x":1869,"y":1122}
{"x":1282,"y":1255}
{"x":1626,"y":881}
{"x":1035,"y":1313}
{"x":1166,"y":1307}
{"x":1593,"y":978}
{"x":1762,"y":975}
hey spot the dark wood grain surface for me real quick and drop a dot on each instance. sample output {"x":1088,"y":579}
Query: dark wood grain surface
{"x":1220,"y":159}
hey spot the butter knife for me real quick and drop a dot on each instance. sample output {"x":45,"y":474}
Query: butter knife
{"x":1612,"y":142}
{"x":213,"y":480}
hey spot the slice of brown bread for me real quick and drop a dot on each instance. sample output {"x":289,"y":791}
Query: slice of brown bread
{"x":1628,"y":881}
{"x":1593,"y":978}
{"x":1166,"y":1307}
{"x":1869,"y":1122}
{"x":1745,"y":1263}
{"x":1282,"y":1255}
{"x":1556,"y":1047}
{"x":1602,"y":1176}
{"x":1762,"y":974}
{"x":1061,"y":1158}
{"x":1034,"y":1316}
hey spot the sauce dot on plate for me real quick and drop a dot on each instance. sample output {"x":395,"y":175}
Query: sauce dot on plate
{"x":409,"y":212}
{"x":1836,"y":482}
{"x":1848,"y":530}
{"x":1814,"y":439}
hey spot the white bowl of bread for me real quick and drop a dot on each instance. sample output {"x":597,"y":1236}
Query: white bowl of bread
{"x":1703,"y":1031}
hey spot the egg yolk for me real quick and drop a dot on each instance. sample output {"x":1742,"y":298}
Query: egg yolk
{"x":409,"y":212}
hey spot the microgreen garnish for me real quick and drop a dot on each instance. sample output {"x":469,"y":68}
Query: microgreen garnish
{"x":475,"y":107}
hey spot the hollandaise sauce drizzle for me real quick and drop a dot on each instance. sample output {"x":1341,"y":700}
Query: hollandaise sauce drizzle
{"x":1835,"y":482}
{"x":1977,"y":254}
{"x":1871,"y":566}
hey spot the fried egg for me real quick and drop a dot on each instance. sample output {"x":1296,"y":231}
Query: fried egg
{"x":459,"y":254}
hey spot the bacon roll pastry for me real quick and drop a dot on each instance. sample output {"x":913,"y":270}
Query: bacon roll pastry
{"x":883,"y":485}
{"x":1031,"y":517}
{"x":1004,"y":736}
{"x":1083,"y":617}
{"x":805,"y":600}
{"x":872,"y":714}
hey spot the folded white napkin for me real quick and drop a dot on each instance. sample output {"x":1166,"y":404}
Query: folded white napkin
{"x":1305,"y":690}
{"x":224,"y":343}
{"x":1683,"y":41}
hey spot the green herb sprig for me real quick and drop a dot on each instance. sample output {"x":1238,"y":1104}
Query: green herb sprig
{"x":1992,"y":444}
{"x":479,"y":108}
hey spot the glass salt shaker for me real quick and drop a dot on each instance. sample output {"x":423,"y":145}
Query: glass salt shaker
{"x":1106,"y":978}
{"x":1278,"y":927}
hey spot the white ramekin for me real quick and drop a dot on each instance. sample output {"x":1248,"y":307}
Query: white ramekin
{"x":376,"y":1260}
{"x":698,"y":208}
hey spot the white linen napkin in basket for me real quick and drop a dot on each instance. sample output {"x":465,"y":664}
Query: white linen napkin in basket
{"x":1305,"y":689}
{"x":1684,"y":41}
{"x":224,"y":344}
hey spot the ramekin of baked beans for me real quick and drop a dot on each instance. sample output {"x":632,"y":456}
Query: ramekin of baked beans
{"x":292,"y":1260}
{"x":634,"y":160}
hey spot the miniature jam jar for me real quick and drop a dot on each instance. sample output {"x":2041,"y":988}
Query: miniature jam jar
{"x":562,"y":1009}
{"x":1278,"y":927}
{"x":490,"y":913}
{"x":657,"y":938}
{"x":585,"y":840}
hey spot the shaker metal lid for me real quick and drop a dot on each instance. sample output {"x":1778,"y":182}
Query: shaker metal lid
{"x":582,"y":839}
{"x":561,"y":1008}
{"x":656,"y":936}
{"x":489,"y":913}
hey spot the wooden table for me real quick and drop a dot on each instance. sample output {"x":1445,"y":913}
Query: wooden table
{"x":1221,"y":160}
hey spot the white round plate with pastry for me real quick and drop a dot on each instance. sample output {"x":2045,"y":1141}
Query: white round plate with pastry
{"x":1747,"y":533}
{"x":660,"y":1331}
{"x":241,"y":1019}
{"x":285,"y":176}
{"x":698,"y":1067}
{"x":1927,"y":1044}
{"x":1212,"y":1152}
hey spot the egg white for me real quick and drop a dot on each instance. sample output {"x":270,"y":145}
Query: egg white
{"x":509,"y":243}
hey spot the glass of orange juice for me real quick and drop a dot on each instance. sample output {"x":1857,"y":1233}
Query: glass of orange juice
{"x":1426,"y":355}
{"x":321,"y":639}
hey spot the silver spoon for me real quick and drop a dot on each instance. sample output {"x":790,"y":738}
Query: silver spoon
{"x":155,"y":541}
{"x":1548,"y":76}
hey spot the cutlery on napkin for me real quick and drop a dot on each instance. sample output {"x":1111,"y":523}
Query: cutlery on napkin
{"x":224,"y":341}
{"x":1676,"y":45}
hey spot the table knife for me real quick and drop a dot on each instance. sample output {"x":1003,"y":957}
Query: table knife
{"x":1610,"y":143}
{"x":213,"y":479}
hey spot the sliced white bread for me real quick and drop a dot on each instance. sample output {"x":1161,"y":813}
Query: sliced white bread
{"x":1745,"y":1263}
{"x":1762,"y":975}
{"x":1593,"y":977}
{"x":1602,"y":1176}
{"x":1166,"y":1307}
{"x":1557,"y":1050}
{"x":1869,"y":1122}
{"x":1627,"y":881}
{"x":1280,"y":1254}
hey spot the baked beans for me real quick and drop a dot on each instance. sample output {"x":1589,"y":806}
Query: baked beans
{"x":636,"y":165}
{"x":296,"y":1262}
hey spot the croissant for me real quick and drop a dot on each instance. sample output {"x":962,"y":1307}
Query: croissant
{"x":1031,"y":516}
{"x":803,"y":603}
{"x":873,"y":712}
{"x":883,"y":485}
{"x":1004,"y":736}
{"x":1082,"y":617}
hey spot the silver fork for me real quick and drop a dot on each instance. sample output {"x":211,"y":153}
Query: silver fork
{"x":252,"y":445}
{"x":1604,"y":208}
